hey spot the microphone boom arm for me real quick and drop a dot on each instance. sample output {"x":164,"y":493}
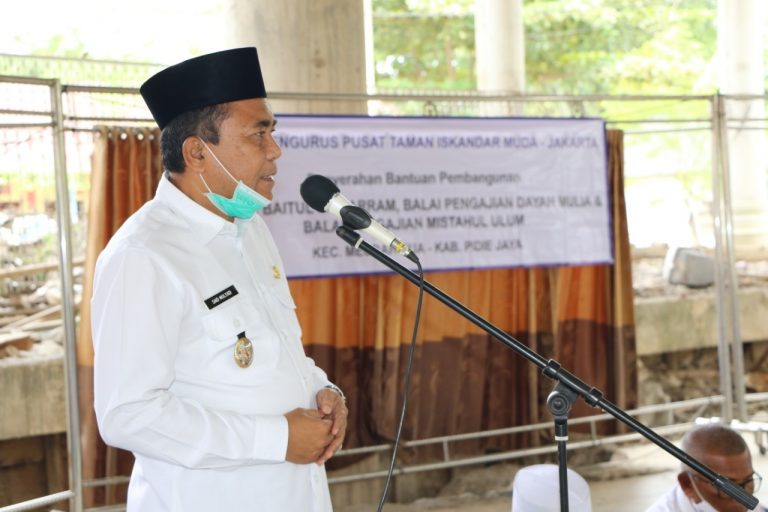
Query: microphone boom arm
{"x":553,"y":370}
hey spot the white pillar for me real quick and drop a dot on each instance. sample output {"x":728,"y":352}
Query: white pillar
{"x":740,"y":53}
{"x":315,"y":46}
{"x":500,"y":46}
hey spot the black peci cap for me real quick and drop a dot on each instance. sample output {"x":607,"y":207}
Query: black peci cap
{"x":229,"y":75}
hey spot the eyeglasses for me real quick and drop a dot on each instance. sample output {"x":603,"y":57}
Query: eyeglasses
{"x":751,"y":484}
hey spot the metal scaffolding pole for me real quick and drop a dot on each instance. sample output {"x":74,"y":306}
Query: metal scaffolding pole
{"x":64,"y":220}
{"x":730,"y":346}
{"x":718,"y":161}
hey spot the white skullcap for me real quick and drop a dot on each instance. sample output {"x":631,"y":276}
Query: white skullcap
{"x":537,"y":489}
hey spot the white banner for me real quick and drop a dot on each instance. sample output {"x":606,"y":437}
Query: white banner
{"x":461,"y":193}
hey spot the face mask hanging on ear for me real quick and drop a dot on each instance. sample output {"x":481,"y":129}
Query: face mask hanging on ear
{"x":244,"y":203}
{"x":703,"y":505}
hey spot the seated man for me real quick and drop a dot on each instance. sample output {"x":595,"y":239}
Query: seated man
{"x":723,"y":450}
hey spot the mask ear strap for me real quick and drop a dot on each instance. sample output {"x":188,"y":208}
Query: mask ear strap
{"x":206,"y":185}
{"x":218,"y":162}
{"x":693,"y":483}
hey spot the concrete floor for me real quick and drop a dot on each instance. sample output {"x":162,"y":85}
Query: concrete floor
{"x":629,"y":494}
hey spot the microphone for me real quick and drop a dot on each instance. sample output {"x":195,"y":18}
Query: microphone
{"x":324,"y":196}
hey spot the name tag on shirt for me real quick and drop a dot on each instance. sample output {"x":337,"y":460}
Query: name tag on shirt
{"x":221,"y":297}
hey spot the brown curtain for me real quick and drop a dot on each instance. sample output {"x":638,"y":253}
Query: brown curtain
{"x":359,"y":328}
{"x":125,"y":171}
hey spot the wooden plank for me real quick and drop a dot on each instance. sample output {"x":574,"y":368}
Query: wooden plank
{"x":47,"y":312}
{"x":19,"y":310}
{"x":5,"y":320}
{"x":42,"y":325}
{"x":26,"y":270}
{"x":12,"y":342}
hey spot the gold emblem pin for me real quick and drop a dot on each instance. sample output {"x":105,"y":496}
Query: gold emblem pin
{"x":276,"y":272}
{"x":243,"y":351}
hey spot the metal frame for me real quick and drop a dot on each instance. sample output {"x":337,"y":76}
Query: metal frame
{"x":74,"y":494}
{"x":591,"y":440}
{"x":68,"y":301}
{"x":731,"y":371}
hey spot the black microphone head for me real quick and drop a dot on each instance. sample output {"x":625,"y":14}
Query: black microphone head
{"x":317,"y":191}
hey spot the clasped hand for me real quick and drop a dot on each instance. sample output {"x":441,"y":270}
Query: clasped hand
{"x":315,"y":435}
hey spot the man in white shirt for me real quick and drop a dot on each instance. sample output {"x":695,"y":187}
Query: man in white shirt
{"x":724,"y":451}
{"x":199,"y":366}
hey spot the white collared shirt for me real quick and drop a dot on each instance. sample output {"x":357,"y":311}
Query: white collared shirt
{"x":676,"y":501}
{"x":207,"y":434}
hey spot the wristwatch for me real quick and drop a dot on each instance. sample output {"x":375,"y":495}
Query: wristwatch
{"x":337,"y":390}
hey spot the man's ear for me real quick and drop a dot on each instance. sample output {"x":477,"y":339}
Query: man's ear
{"x":684,"y":479}
{"x":193,"y":151}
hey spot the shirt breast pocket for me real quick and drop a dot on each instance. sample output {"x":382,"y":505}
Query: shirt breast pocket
{"x":287,"y":309}
{"x":224,"y":327}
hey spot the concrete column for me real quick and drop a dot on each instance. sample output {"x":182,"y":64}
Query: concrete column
{"x":315,"y":46}
{"x":499,"y":50}
{"x":740,"y":52}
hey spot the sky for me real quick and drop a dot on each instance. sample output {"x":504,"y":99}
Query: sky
{"x":156,"y":31}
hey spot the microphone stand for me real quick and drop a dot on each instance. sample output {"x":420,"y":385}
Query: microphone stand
{"x":567,"y":389}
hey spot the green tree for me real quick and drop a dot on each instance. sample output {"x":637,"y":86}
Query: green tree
{"x":424,"y":44}
{"x":619,"y":46}
{"x":572,"y":46}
